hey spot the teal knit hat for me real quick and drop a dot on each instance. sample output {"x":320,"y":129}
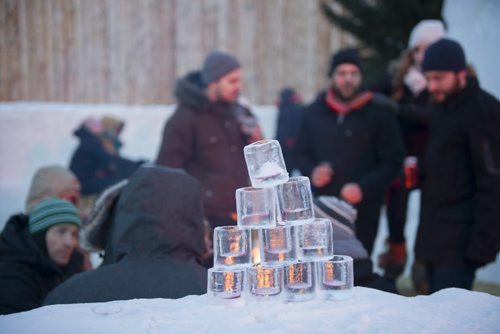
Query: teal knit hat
{"x":50,"y":212}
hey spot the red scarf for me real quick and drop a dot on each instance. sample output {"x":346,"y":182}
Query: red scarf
{"x":343,"y":108}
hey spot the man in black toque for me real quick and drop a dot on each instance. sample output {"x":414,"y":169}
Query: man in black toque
{"x":350,"y":144}
{"x":459,"y":227}
{"x":207,"y":133}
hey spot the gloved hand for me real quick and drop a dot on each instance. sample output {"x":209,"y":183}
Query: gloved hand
{"x":415,"y":81}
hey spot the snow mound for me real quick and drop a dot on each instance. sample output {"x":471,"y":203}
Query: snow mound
{"x":373,"y":311}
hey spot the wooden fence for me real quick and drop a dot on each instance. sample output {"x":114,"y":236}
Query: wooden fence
{"x":131,"y":51}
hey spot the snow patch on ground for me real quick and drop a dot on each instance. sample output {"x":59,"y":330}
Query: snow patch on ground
{"x":369,"y":311}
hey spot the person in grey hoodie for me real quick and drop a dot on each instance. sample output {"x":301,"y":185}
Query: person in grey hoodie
{"x":151,"y":230}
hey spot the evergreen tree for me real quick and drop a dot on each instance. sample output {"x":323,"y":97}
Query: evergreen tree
{"x":382,"y":26}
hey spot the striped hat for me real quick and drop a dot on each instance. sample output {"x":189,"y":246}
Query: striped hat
{"x":333,"y":208}
{"x":50,"y":212}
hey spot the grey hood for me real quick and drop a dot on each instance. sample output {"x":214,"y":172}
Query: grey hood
{"x":189,"y":91}
{"x":157,"y":213}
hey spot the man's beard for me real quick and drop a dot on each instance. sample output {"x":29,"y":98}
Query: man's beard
{"x":454,"y":90}
{"x":222,"y":99}
{"x":346,"y":97}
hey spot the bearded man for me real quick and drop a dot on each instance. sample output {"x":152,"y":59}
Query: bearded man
{"x":350,"y":144}
{"x":206,"y":134}
{"x":459,"y":227}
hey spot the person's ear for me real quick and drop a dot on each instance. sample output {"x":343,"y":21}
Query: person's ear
{"x":462,"y":77}
{"x":211,"y":90}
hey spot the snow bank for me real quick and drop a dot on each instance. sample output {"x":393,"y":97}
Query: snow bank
{"x":369,"y":311}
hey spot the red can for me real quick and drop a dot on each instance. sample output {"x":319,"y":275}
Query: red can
{"x":411,"y":172}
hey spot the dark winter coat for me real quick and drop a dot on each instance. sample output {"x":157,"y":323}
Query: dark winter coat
{"x":414,"y":114}
{"x":155,"y":235}
{"x":288,"y":126}
{"x":27,"y":274}
{"x":460,"y":219}
{"x":364,"y":146}
{"x":206,"y":140}
{"x":96,"y":168}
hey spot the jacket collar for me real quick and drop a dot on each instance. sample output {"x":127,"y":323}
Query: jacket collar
{"x":340,"y":107}
{"x":471,"y":88}
{"x":190,"y":92}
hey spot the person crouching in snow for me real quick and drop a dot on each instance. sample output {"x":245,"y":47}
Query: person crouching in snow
{"x":37,"y":253}
{"x":151,"y":231}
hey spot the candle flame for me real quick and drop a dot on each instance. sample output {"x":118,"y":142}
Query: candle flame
{"x":229,"y":281}
{"x":328,"y":271}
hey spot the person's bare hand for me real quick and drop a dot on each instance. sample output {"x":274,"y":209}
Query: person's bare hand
{"x":351,"y":193}
{"x":256,"y":134}
{"x":322,"y":175}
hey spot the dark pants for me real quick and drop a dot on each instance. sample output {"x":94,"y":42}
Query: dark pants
{"x":364,"y":276}
{"x":450,"y":276}
{"x":397,"y":204}
{"x":367,"y":223}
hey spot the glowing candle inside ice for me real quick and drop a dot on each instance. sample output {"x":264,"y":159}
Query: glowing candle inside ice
{"x":265,"y":278}
{"x":329,"y":274}
{"x":229,"y":281}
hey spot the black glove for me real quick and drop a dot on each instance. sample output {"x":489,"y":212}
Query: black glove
{"x":473,"y":264}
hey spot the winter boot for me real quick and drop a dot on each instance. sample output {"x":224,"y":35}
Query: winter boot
{"x":393,"y":261}
{"x":419,"y":278}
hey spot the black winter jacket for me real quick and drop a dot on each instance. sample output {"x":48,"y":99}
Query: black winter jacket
{"x":288,"y":126}
{"x":364,"y":146}
{"x":460,"y":218}
{"x":206,"y":140}
{"x":155,"y":235}
{"x":27,"y":274}
{"x":414,"y":114}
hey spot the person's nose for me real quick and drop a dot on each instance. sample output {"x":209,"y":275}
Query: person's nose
{"x":431,"y":85}
{"x":349,"y":78}
{"x":70,"y":241}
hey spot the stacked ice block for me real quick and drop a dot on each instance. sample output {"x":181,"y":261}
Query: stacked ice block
{"x":296,"y":249}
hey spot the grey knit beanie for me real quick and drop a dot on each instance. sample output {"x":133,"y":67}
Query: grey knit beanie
{"x":216,"y":65}
{"x":50,"y":181}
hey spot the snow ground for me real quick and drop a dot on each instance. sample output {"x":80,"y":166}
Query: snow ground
{"x":369,"y":311}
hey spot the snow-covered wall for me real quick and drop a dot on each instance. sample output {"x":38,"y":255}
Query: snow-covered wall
{"x":476,"y":25}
